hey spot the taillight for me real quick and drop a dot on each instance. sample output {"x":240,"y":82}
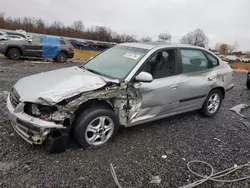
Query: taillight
{"x":72,"y":48}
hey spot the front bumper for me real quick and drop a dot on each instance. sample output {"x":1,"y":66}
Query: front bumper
{"x":31,"y":129}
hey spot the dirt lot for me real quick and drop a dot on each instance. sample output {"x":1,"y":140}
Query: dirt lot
{"x":240,"y":65}
{"x":84,"y":55}
{"x":136,"y":152}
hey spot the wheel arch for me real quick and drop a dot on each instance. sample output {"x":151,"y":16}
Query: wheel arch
{"x":64,"y":51}
{"x":221,"y":89}
{"x":89,"y":104}
{"x":11,"y":47}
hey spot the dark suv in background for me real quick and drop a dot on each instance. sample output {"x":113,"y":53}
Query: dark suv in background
{"x":56,"y":48}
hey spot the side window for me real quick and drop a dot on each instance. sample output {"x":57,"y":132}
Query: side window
{"x":36,"y":39}
{"x":212,"y":60}
{"x":193,"y":61}
{"x":62,"y":42}
{"x":161,"y":65}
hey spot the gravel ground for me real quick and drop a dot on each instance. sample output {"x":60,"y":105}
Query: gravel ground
{"x":136,"y":152}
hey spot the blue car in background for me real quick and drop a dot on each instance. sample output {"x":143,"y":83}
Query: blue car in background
{"x":56,"y":48}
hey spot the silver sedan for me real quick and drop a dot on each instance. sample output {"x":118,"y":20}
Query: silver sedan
{"x":128,"y":84}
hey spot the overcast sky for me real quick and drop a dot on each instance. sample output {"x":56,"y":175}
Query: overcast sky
{"x":222,"y":20}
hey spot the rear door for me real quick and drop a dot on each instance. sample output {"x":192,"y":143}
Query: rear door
{"x":196,"y":76}
{"x":33,"y":48}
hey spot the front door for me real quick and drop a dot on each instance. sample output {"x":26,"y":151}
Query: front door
{"x":33,"y":48}
{"x":159,"y":97}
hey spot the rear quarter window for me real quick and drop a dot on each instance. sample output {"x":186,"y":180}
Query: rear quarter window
{"x":62,"y":42}
{"x":212,"y":60}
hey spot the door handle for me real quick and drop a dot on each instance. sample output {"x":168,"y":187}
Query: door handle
{"x":174,"y":87}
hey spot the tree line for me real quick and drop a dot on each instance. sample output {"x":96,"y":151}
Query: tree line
{"x":75,"y":30}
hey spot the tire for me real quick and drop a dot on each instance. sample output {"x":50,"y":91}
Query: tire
{"x":89,"y":131}
{"x":14,"y":54}
{"x":206,"y":110}
{"x":248,"y":83}
{"x":62,"y":57}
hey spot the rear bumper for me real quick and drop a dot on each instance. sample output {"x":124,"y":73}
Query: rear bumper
{"x":71,"y":54}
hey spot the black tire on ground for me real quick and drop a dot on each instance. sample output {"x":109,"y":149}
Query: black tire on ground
{"x":88,"y":117}
{"x":61,"y":57}
{"x":248,"y":83}
{"x":14,"y":54}
{"x":205,"y":109}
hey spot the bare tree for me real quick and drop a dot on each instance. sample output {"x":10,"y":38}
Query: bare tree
{"x":78,"y":25}
{"x":40,"y":26}
{"x":196,"y":37}
{"x":120,"y":38}
{"x":146,"y":39}
{"x":232,"y":47}
{"x":2,"y":20}
{"x":57,"y":28}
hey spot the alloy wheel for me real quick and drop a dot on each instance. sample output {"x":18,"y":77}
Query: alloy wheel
{"x":99,"y":131}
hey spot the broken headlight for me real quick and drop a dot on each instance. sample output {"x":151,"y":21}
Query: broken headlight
{"x":41,"y":111}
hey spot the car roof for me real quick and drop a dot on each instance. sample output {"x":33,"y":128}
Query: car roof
{"x":151,"y":45}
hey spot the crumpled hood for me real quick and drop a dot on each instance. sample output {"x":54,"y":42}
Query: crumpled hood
{"x":54,"y":86}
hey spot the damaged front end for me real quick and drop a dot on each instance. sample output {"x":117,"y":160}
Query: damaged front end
{"x":50,"y":122}
{"x":55,"y":138}
{"x":124,"y":99}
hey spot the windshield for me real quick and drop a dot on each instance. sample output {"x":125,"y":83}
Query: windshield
{"x":116,"y":62}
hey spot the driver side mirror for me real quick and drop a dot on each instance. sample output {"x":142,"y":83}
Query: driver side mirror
{"x":144,"y":77}
{"x":30,"y":41}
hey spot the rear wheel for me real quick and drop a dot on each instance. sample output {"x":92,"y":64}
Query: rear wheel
{"x":95,"y":127}
{"x":14,"y":54}
{"x":61,"y":57}
{"x":212,"y":104}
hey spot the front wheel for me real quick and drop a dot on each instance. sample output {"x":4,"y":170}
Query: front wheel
{"x":95,"y":127}
{"x":14,"y":54}
{"x":212,"y":104}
